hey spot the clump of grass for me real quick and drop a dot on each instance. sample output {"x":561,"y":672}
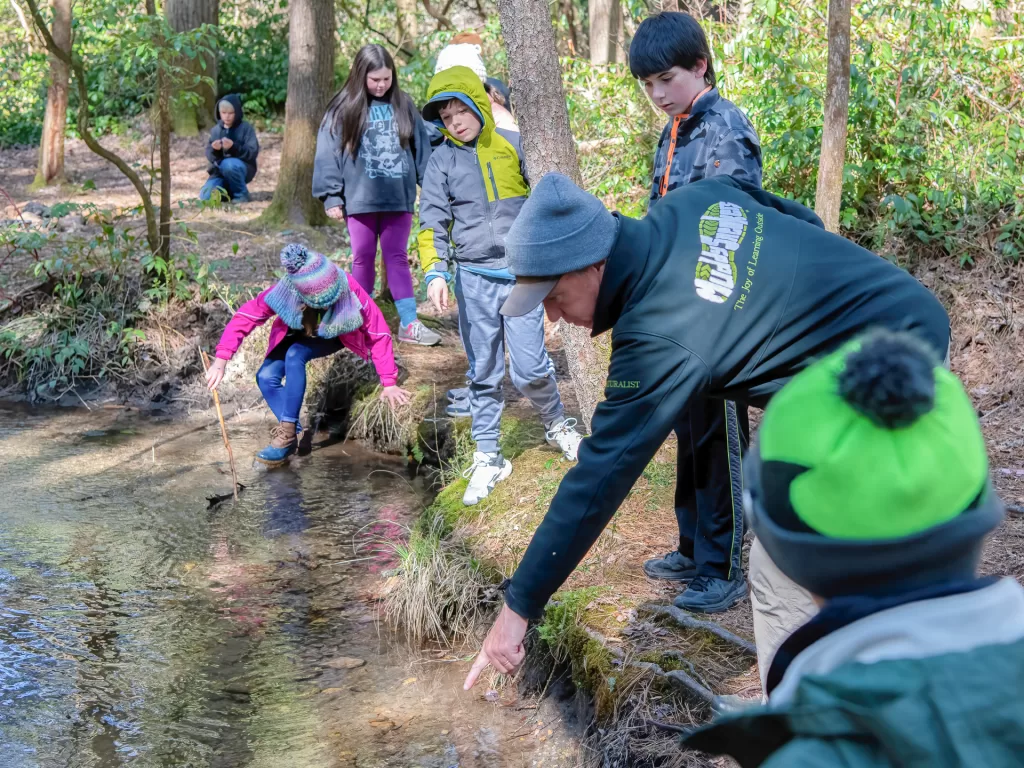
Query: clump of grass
{"x":439,"y":591}
{"x":389,"y":430}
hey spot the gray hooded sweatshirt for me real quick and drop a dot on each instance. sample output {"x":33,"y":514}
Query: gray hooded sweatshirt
{"x":383,"y":175}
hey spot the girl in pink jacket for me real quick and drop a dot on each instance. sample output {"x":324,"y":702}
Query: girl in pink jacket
{"x":319,"y":310}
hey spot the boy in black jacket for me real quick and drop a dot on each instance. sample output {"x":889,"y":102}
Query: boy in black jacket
{"x":232,"y":151}
{"x":706,"y":136}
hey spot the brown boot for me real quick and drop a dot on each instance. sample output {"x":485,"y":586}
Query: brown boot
{"x":282,"y":444}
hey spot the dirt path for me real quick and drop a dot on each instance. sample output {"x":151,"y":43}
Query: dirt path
{"x":218,"y":230}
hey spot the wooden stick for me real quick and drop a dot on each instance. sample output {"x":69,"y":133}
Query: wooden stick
{"x":223,"y":430}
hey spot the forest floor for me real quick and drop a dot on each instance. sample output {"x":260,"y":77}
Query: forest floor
{"x":608,"y":594}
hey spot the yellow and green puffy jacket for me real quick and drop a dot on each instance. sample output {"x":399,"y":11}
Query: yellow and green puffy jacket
{"x":471,"y":193}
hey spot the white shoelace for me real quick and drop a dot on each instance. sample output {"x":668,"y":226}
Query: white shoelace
{"x":476,"y":463}
{"x":564,"y":428}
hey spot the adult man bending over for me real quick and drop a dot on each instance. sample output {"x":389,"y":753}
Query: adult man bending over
{"x":722,"y":291}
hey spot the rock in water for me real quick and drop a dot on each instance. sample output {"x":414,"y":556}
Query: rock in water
{"x":344,"y":662}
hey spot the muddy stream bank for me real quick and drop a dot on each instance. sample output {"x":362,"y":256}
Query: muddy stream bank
{"x":139,"y":628}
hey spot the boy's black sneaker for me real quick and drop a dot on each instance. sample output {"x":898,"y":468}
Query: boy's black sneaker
{"x":674,"y":566}
{"x":707,"y":594}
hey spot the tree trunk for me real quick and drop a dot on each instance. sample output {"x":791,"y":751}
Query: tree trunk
{"x":51,"y":145}
{"x":408,"y":27}
{"x":310,"y":80}
{"x":837,"y":108}
{"x":183,"y":15}
{"x":536,"y":79}
{"x":605,"y":31}
{"x":152,"y":233}
{"x":163,"y":128}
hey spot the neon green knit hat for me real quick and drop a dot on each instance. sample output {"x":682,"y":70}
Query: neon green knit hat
{"x":875,"y":447}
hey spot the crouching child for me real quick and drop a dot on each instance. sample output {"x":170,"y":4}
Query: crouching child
{"x":318,"y":310}
{"x":473,"y":189}
{"x":231,"y":150}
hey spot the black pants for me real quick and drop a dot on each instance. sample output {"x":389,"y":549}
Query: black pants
{"x":713,"y":434}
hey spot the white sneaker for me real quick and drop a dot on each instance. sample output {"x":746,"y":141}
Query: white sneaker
{"x":487,"y":471}
{"x":562,"y":434}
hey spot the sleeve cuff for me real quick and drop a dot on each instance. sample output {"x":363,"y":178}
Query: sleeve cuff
{"x":222,"y":354}
{"x":519,"y":607}
{"x":389,"y":381}
{"x":333,"y":201}
{"x":430,"y":275}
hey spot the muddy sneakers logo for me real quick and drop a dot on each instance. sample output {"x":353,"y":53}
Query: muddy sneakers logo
{"x":722,"y":229}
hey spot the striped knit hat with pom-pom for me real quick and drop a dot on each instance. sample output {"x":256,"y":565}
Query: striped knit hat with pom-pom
{"x":314,"y":278}
{"x":870,"y":473}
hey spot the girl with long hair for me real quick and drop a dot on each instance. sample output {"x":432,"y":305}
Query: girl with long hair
{"x":371,"y":152}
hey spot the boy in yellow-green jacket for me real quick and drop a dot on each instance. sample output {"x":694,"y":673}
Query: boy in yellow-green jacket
{"x":473,"y":189}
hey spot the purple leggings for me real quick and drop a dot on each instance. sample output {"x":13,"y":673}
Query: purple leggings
{"x":393,"y":230}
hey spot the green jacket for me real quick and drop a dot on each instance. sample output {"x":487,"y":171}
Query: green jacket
{"x":471,"y":193}
{"x":954,"y":698}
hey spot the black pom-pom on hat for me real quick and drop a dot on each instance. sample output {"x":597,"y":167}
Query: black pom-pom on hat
{"x":890,"y":379}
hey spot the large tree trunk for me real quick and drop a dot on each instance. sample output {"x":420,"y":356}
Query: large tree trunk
{"x":183,"y":15}
{"x":837,"y":109}
{"x":51,"y":145}
{"x":408,"y":27}
{"x":605,"y":31}
{"x":310,"y":79}
{"x":536,"y":79}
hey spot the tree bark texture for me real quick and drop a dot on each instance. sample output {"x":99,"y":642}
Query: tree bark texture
{"x":536,"y":79}
{"x":408,"y":26}
{"x":310,"y":81}
{"x":183,"y":15}
{"x":163,"y":130}
{"x":605,"y":31}
{"x":51,"y":145}
{"x":828,"y":198}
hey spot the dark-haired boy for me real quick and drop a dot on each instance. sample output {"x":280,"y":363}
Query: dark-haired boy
{"x":706,"y":136}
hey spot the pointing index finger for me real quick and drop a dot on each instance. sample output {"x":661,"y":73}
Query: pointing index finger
{"x":479,"y":665}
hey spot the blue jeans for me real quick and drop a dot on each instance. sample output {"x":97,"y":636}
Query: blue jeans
{"x":229,"y":177}
{"x":287,"y":363}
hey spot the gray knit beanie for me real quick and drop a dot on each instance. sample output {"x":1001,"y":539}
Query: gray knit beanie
{"x":560,"y":229}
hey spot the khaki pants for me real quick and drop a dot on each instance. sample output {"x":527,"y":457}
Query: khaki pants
{"x":780,"y":607}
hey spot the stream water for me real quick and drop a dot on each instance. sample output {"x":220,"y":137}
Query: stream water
{"x":139,"y":628}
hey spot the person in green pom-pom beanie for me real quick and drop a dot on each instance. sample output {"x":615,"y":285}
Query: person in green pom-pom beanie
{"x":869,"y":489}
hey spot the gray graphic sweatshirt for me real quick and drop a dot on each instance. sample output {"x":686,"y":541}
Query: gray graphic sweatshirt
{"x":383,"y":175}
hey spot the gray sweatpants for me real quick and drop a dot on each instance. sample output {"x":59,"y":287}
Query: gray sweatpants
{"x":486,"y":333}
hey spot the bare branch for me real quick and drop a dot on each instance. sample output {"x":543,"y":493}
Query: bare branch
{"x":365,"y":21}
{"x":152,"y":235}
{"x":442,"y":20}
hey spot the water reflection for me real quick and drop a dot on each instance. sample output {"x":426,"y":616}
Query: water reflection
{"x":136,"y":628}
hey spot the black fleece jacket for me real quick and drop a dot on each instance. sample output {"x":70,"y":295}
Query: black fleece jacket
{"x":244,"y":147}
{"x":722,"y":291}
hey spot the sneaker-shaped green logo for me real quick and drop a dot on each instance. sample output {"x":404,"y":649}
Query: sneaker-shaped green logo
{"x":722,"y":229}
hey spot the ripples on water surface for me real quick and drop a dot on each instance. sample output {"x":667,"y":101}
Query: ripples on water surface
{"x":138,"y":628}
